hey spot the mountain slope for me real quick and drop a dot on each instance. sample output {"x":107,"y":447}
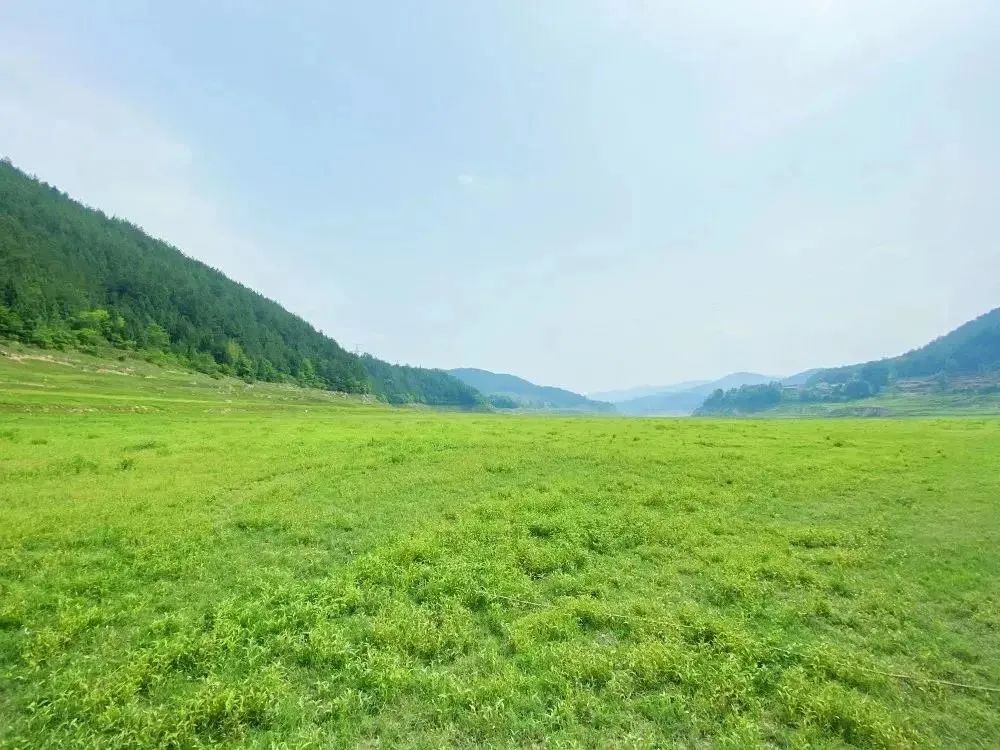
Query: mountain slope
{"x":523,"y":393}
{"x":957,"y":372}
{"x":972,"y":348}
{"x":72,"y":277}
{"x":684,"y":402}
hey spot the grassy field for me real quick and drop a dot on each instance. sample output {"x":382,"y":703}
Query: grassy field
{"x":187,"y":562}
{"x":897,"y":404}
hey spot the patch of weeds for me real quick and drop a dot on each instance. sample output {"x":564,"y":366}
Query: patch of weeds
{"x":542,"y":529}
{"x":146,"y":445}
{"x":80,"y":465}
{"x":815,"y":538}
{"x":221,"y":711}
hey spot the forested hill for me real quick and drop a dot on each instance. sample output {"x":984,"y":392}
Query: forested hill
{"x":963,"y":364}
{"x":971,"y":349}
{"x":510,"y":391}
{"x":72,"y":277}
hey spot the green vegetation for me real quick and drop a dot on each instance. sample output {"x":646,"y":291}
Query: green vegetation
{"x":971,"y":349}
{"x":954,"y":374}
{"x":511,"y":392}
{"x":926,"y":397}
{"x":71,"y":277}
{"x":747,"y":399}
{"x":187,"y":560}
{"x":400,"y":384}
{"x":965,"y":362}
{"x":900,"y":403}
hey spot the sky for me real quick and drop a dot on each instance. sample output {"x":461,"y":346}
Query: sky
{"x":587,"y":193}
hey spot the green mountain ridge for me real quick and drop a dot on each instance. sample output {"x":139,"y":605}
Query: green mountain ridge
{"x":511,"y":391}
{"x":957,"y":372}
{"x":70,"y":276}
{"x":972,"y":348}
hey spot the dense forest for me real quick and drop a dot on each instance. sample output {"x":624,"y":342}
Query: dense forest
{"x":71,"y":276}
{"x":747,"y":399}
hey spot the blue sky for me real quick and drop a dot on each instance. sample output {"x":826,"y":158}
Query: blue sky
{"x":588,"y":194}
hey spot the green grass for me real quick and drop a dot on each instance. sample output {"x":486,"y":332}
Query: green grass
{"x":898,"y":404}
{"x":187,"y":562}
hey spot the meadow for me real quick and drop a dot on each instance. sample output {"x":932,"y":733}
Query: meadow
{"x":189,"y":562}
{"x":898,"y":404}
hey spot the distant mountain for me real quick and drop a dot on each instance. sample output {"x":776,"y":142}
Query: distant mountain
{"x":662,"y":404}
{"x":735,"y":380}
{"x":960,"y":370}
{"x":686,"y":401}
{"x":627,"y":394}
{"x":800,"y":378}
{"x":510,"y":391}
{"x":72,"y":277}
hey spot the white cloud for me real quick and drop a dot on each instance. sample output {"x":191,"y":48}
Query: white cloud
{"x":477,"y":183}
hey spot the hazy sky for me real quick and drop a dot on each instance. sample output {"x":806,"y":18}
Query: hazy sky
{"x":587,"y":194}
